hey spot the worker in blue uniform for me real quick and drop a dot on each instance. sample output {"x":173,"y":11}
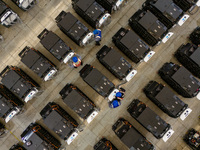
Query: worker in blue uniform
{"x":97,"y":36}
{"x":115,"y":103}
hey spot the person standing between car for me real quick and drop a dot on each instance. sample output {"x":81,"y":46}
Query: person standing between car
{"x":76,"y":62}
{"x":97,"y":36}
{"x":114,"y":103}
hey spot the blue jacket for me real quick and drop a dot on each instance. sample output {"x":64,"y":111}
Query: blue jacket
{"x":115,"y":103}
{"x":97,"y":32}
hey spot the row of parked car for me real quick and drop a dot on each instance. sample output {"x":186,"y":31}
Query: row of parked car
{"x":127,"y":41}
{"x":54,"y":116}
{"x":152,"y":24}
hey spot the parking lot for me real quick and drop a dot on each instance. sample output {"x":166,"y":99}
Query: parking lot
{"x":43,"y":16}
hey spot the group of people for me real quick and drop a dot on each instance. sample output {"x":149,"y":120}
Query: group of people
{"x":116,"y":102}
{"x":76,"y":60}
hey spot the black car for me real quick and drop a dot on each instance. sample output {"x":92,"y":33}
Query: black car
{"x":7,"y":16}
{"x":10,"y":105}
{"x":79,"y":102}
{"x":36,"y":137}
{"x":130,"y":136}
{"x":104,"y":144}
{"x":17,"y":147}
{"x":148,"y":26}
{"x":112,"y":5}
{"x":180,"y":79}
{"x":115,"y":63}
{"x":2,"y":130}
{"x":55,"y":45}
{"x":74,"y":29}
{"x":93,"y":13}
{"x":38,"y":63}
{"x":165,"y":99}
{"x":188,"y":55}
{"x":185,"y":5}
{"x":165,"y":10}
{"x":195,"y":36}
{"x":25,"y":4}
{"x":96,"y":80}
{"x":58,"y":120}
{"x":148,"y":118}
{"x":18,"y":82}
{"x":131,"y":44}
{"x":192,"y":138}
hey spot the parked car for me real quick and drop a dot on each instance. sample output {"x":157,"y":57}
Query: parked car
{"x":18,"y":82}
{"x":188,"y":55}
{"x":96,"y":80}
{"x":56,"y":46}
{"x":37,"y":137}
{"x":58,"y":120}
{"x":7,"y":16}
{"x":116,"y":63}
{"x":17,"y":147}
{"x":112,"y":5}
{"x":195,"y":36}
{"x":93,"y":13}
{"x":74,"y":29}
{"x":185,"y":5}
{"x":130,"y":136}
{"x":166,"y":11}
{"x":148,"y":118}
{"x":180,"y":79}
{"x":192,"y":138}
{"x":25,"y":4}
{"x":148,"y":27}
{"x":79,"y":102}
{"x":104,"y":144}
{"x":38,"y":63}
{"x":10,"y":105}
{"x":132,"y":45}
{"x":3,"y":130}
{"x":165,"y":99}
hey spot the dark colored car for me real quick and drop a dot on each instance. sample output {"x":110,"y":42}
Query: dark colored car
{"x":10,"y":105}
{"x":17,"y":147}
{"x":185,"y":5}
{"x":188,"y":55}
{"x":148,"y":118}
{"x":131,"y":44}
{"x":58,"y":120}
{"x":25,"y":4}
{"x":130,"y":136}
{"x":180,"y":79}
{"x":38,"y":63}
{"x":2,"y":130}
{"x":55,"y":45}
{"x":192,"y":138}
{"x":195,"y":36}
{"x":93,"y":13}
{"x":74,"y":29}
{"x":115,"y":63}
{"x":148,"y":26}
{"x":165,"y":10}
{"x":112,"y":5}
{"x":7,"y":16}
{"x":36,"y":137}
{"x":96,"y":80}
{"x":79,"y":102}
{"x":18,"y":82}
{"x":104,"y":144}
{"x":165,"y":99}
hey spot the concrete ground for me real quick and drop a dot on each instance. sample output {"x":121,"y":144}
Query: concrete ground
{"x":43,"y":16}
